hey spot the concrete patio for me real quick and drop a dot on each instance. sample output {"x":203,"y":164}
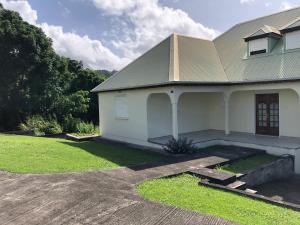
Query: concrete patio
{"x":272,"y":144}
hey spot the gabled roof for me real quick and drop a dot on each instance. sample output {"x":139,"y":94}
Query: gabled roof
{"x":264,"y":31}
{"x":180,"y":59}
{"x":294,"y":25}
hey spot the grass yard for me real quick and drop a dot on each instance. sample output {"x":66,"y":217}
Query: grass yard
{"x":25,"y":154}
{"x":183,"y":191}
{"x":253,"y":162}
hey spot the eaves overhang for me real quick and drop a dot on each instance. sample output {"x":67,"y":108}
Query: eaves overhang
{"x":195,"y":83}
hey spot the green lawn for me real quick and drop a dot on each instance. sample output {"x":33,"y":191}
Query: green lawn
{"x":183,"y":191}
{"x":250,"y":163}
{"x":24,"y":154}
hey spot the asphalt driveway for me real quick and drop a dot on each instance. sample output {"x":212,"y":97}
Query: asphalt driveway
{"x":102,"y":197}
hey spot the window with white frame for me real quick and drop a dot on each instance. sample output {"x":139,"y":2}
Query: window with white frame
{"x":292,"y":40}
{"x":121,"y":108}
{"x":258,"y":46}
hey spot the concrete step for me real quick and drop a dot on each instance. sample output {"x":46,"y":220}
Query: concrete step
{"x":250,"y":191}
{"x":214,"y":176}
{"x":237,"y":185}
{"x":240,"y":175}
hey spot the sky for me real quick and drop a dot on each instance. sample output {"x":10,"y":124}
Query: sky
{"x":109,"y":34}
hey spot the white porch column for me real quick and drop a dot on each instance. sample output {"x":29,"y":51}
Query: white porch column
{"x":226,"y":112}
{"x":297,"y":152}
{"x":174,"y":95}
{"x":175,"y":120}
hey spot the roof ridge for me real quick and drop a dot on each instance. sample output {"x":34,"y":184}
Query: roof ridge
{"x":223,"y":68}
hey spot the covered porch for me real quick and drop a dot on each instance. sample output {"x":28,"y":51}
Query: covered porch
{"x":226,"y":116}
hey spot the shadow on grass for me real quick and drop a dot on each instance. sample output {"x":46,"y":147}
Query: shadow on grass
{"x":139,"y":159}
{"x":117,"y":153}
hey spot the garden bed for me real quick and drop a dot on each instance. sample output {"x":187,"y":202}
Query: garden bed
{"x":248,"y":164}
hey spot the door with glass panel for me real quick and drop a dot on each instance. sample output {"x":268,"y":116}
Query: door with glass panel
{"x":267,"y":114}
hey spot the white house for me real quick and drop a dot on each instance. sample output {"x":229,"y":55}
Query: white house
{"x":243,"y":88}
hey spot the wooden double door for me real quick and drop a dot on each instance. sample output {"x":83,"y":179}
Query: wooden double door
{"x":267,"y":114}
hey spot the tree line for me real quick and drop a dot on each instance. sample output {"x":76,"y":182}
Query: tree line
{"x":34,"y":80}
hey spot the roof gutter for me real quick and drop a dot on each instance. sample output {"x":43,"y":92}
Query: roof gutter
{"x":195,"y":84}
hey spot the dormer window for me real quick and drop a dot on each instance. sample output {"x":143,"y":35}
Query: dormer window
{"x":291,"y":32}
{"x":292,"y":40}
{"x":258,"y":46}
{"x":262,"y":41}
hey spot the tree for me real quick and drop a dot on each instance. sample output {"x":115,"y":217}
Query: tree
{"x":34,"y":80}
{"x":25,"y":51}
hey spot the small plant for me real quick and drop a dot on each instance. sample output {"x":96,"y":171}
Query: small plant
{"x":180,"y":146}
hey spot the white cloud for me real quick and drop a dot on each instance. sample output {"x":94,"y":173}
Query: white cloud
{"x":268,"y":4}
{"x":144,"y":24}
{"x":149,"y":22}
{"x":246,"y":1}
{"x":91,"y":52}
{"x":286,"y":5}
{"x":115,"y":7}
{"x":23,"y":8}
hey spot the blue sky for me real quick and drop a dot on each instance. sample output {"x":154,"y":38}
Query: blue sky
{"x":108,"y":34}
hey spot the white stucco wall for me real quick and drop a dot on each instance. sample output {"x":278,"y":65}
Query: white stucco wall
{"x":289,"y":112}
{"x":159,"y":115}
{"x":133,"y":129}
{"x":200,"y":111}
{"x":242,"y":112}
{"x":193,"y":111}
{"x":216,"y":111}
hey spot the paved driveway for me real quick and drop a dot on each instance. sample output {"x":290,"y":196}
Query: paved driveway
{"x":104,"y":197}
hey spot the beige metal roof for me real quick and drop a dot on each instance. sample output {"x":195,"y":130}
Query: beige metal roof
{"x":150,"y":68}
{"x":199,"y":60}
{"x":185,"y":59}
{"x":292,"y":24}
{"x":276,"y":65}
{"x":177,"y":58}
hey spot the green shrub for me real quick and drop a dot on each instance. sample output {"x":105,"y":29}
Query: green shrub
{"x":85,"y":128}
{"x":75,"y":125}
{"x":180,"y":146}
{"x":41,"y":126}
{"x":53,"y":128}
{"x":70,"y":124}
